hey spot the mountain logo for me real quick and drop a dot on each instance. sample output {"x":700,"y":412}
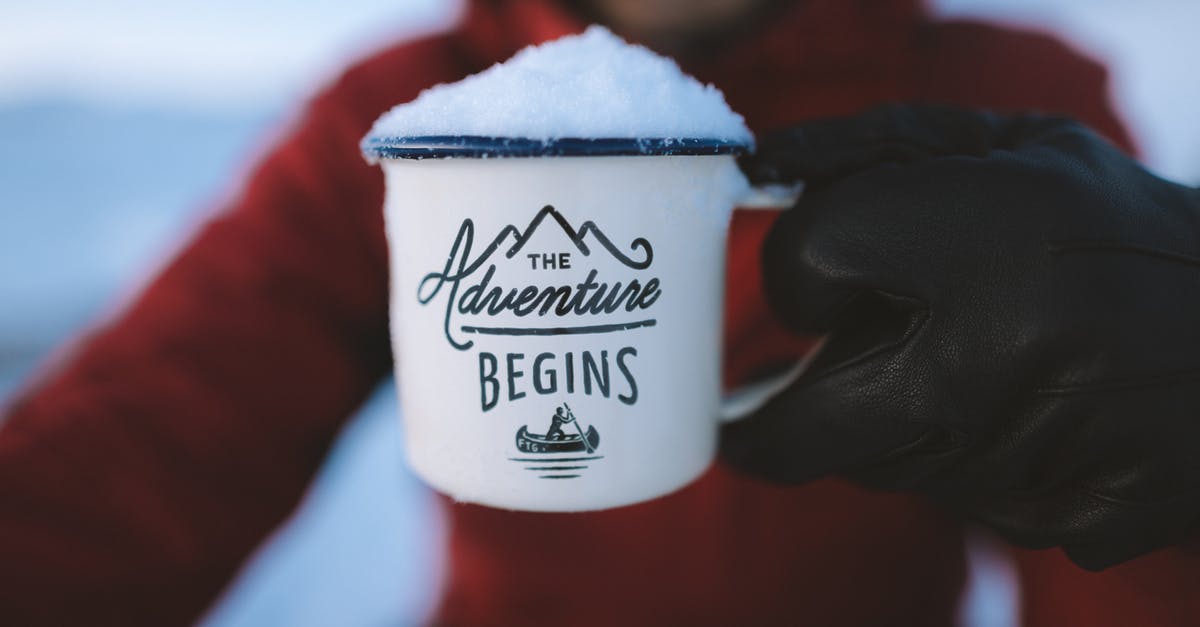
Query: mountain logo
{"x":577,"y":237}
{"x":591,"y":297}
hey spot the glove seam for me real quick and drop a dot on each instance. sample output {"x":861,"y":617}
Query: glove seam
{"x":919,"y":320}
{"x":1122,"y":502}
{"x":1101,"y":246}
{"x":1120,"y":384}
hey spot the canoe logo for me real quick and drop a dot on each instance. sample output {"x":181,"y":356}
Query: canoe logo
{"x":560,"y":452}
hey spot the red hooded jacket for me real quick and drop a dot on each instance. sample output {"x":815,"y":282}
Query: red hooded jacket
{"x":138,"y":474}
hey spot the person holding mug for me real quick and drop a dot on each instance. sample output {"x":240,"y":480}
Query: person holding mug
{"x":1008,"y":301}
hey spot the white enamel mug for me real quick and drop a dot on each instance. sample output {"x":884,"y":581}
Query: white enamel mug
{"x":556,"y":313}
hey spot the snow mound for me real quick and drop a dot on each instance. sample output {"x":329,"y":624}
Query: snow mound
{"x":591,"y":85}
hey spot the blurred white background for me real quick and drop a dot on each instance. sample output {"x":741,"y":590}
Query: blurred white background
{"x":152,"y":110}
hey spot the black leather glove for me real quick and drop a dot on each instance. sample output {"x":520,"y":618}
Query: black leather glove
{"x":1013,"y":310}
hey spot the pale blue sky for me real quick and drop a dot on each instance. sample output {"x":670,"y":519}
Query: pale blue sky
{"x":210,"y":53}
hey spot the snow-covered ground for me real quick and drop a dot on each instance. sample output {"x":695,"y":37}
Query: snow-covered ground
{"x":174,"y":103}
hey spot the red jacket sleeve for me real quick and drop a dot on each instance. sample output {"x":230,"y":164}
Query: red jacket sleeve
{"x":137,"y":476}
{"x":981,"y":65}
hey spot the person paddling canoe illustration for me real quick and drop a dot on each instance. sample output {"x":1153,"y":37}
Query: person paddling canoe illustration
{"x":557,"y":439}
{"x":555,"y":432}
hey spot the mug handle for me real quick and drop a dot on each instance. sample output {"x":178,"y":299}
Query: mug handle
{"x":748,"y":398}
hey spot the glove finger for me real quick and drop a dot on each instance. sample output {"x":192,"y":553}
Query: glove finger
{"x":854,"y":404}
{"x":835,"y":147}
{"x":1052,"y":477}
{"x":1129,"y":529}
{"x":1095,"y":531}
{"x":1033,"y":520}
{"x":839,"y":255}
{"x":1097,"y":556}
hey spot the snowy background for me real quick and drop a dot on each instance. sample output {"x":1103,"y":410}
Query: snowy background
{"x":152,"y":110}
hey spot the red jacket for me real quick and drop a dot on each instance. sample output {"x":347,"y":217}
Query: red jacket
{"x":141,"y":471}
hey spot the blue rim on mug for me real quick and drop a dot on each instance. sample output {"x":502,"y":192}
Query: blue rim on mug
{"x":468,"y":146}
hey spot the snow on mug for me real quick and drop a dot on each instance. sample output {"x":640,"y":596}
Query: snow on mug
{"x":556,"y":312}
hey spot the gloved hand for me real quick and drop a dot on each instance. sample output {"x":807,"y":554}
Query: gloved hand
{"x":1013,"y":318}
